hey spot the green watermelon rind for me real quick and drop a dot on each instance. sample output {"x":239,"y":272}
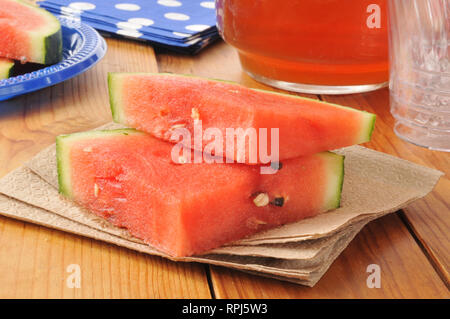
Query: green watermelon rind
{"x":63,"y":147}
{"x":119,"y":116}
{"x":51,"y":36}
{"x":114,"y":98}
{"x":53,"y":48}
{"x":335,"y":184}
{"x":46,"y":42}
{"x":6,"y":68}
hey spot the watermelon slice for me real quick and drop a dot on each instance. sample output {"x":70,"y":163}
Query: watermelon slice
{"x":6,"y":68}
{"x":29,"y":33}
{"x":157,"y":103}
{"x":129,"y":178}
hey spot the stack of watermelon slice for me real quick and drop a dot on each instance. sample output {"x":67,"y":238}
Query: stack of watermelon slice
{"x":193,"y":201}
{"x":27,"y":34}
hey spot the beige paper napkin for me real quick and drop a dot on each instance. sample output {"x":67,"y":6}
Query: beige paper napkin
{"x":293,"y":271}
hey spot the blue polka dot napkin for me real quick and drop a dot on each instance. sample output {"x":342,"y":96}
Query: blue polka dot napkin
{"x":182,"y":25}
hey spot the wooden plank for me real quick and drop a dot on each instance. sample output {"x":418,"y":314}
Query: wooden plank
{"x":405,"y":271}
{"x":33,"y":259}
{"x":35,"y":263}
{"x":221,"y":61}
{"x":428,"y":218}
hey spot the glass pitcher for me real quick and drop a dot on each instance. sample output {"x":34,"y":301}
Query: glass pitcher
{"x":325,"y":46}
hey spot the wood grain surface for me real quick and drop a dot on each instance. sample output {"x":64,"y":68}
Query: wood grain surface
{"x":411,"y":247}
{"x":429,"y":218}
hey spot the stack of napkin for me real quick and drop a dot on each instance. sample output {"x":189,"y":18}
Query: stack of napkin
{"x":186,"y":26}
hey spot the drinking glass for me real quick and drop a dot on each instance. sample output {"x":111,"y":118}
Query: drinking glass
{"x":312,"y":46}
{"x":419,"y":49}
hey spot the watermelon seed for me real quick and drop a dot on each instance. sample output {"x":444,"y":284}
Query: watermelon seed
{"x":176,"y":126}
{"x":254,"y":194}
{"x":276,"y":165}
{"x":254,"y":223}
{"x":278,"y":201}
{"x":95,"y":190}
{"x":87,"y":149}
{"x":195,"y":115}
{"x":261,"y":200}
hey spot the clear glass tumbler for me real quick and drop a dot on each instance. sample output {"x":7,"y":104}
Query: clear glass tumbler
{"x":419,"y":51}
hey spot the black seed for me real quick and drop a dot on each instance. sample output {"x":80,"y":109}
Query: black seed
{"x":278,"y":201}
{"x":276,"y":165}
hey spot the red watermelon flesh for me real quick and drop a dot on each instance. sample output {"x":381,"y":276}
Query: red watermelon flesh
{"x":129,"y":178}
{"x":156,"y":103}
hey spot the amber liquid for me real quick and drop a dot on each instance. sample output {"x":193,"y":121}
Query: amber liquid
{"x":321,"y":42}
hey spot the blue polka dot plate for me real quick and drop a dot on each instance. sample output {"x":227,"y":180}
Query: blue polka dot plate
{"x":82,"y":48}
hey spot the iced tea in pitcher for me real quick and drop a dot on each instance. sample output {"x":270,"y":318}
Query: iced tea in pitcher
{"x":316,"y":46}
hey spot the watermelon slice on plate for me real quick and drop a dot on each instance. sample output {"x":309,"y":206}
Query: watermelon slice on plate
{"x":83,"y":47}
{"x":130,"y":178}
{"x":6,"y":68}
{"x":29,"y":33}
{"x":157,"y":103}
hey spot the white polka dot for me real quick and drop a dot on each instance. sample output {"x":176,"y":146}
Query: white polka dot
{"x":207,"y":4}
{"x":176,"y":16}
{"x":141,"y":21}
{"x":128,"y":25}
{"x":127,"y":6}
{"x":197,"y":27}
{"x":82,"y":6}
{"x":180,"y":34}
{"x":169,"y":3}
{"x":129,"y":33}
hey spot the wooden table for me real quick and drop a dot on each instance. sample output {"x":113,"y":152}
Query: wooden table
{"x":411,"y":246}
